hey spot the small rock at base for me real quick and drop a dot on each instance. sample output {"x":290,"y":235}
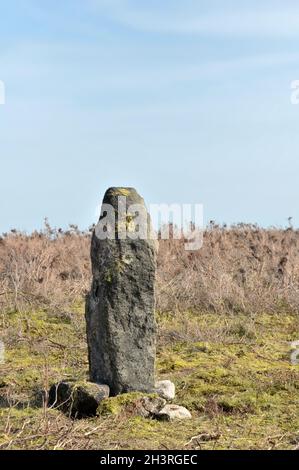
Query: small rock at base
{"x":150,"y":407}
{"x":173,"y":412}
{"x":78,"y":399}
{"x":165,"y":389}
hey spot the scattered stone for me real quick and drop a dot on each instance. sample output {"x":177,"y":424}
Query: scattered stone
{"x":78,"y":399}
{"x":173,"y":412}
{"x":165,"y":389}
{"x":121,"y":328}
{"x":150,"y":407}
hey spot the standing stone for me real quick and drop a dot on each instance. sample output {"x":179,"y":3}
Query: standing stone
{"x":120,"y":320}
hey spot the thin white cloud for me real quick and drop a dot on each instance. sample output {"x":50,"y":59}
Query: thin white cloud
{"x":262,"y":19}
{"x":50,"y":62}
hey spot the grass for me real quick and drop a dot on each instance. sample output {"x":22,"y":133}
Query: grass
{"x":232,"y":371}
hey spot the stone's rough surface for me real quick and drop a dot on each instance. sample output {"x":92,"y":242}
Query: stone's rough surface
{"x":165,"y":389}
{"x":78,"y":399}
{"x":120,"y":320}
{"x":150,"y":407}
{"x":173,"y":412}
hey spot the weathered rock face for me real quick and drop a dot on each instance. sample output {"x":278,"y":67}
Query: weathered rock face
{"x":150,"y":407}
{"x":120,"y":307}
{"x":78,"y":399}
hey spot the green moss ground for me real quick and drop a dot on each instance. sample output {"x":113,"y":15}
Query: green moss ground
{"x":232,"y":372}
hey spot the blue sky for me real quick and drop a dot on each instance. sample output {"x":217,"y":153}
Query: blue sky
{"x":188,"y":101}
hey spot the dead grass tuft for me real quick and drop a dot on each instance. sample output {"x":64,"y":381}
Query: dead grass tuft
{"x":243,"y":268}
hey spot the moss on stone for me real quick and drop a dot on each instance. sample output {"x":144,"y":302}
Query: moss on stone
{"x":115,"y":405}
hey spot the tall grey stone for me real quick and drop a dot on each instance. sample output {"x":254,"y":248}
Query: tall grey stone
{"x":120,"y":319}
